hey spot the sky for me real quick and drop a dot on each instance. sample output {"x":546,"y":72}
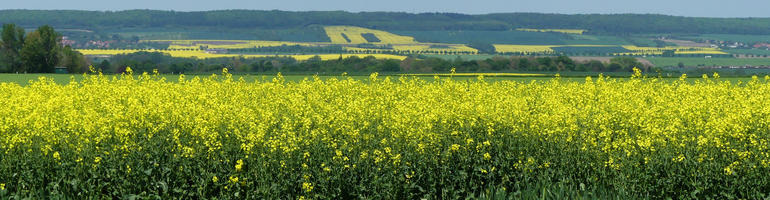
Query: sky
{"x":694,"y":8}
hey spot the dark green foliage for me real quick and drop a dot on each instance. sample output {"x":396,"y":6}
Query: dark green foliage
{"x":370,"y":37}
{"x":669,"y":53}
{"x":618,"y":24}
{"x":74,"y":61}
{"x":345,"y":37}
{"x":10,"y":48}
{"x":484,"y":48}
{"x":40,"y":53}
{"x":105,"y":64}
{"x":626,"y":63}
{"x":439,"y":46}
{"x":148,"y":61}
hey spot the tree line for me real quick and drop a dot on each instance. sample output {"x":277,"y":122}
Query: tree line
{"x":617,"y":24}
{"x":39,"y":51}
{"x":149,"y":61}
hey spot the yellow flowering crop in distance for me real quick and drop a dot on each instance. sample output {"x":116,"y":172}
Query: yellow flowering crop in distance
{"x":422,"y":48}
{"x":635,"y":50}
{"x":567,"y":31}
{"x":203,"y":55}
{"x":353,"y":34}
{"x":537,"y":49}
{"x":508,"y":48}
{"x":447,"y":48}
{"x":226,"y":44}
{"x":383,"y":137}
{"x":400,"y":44}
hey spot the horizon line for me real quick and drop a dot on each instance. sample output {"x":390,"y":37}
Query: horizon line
{"x":358,"y":12}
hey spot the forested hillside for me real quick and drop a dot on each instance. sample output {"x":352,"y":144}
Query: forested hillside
{"x":616,"y":24}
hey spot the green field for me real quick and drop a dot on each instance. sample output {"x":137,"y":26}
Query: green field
{"x":308,"y":34}
{"x":490,"y":37}
{"x":522,"y":37}
{"x":756,"y":52}
{"x":596,"y":40}
{"x":690,"y":62}
{"x":732,"y":37}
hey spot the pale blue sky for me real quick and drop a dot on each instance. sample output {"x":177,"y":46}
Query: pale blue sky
{"x":701,"y":8}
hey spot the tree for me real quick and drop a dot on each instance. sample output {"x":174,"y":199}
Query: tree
{"x":669,"y":53}
{"x":104,"y":65}
{"x":625,"y":63}
{"x":482,"y":47}
{"x":525,"y":64}
{"x":41,"y":50}
{"x":73,"y":60}
{"x":389,"y":65}
{"x":567,"y":62}
{"x":10,"y":47}
{"x":595,"y":65}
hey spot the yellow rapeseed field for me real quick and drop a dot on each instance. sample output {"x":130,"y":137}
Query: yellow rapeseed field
{"x":567,"y":31}
{"x":124,"y":136}
{"x":354,"y":35}
{"x":200,"y":54}
{"x":537,"y":49}
{"x":527,"y":49}
{"x":400,"y":44}
{"x":226,"y":44}
{"x":635,"y":50}
{"x":418,"y":49}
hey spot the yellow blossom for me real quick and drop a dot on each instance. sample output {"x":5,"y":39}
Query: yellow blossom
{"x":307,"y":187}
{"x":238,"y":164}
{"x":455,"y":147}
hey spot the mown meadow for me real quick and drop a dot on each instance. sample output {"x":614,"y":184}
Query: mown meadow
{"x":384,"y":137}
